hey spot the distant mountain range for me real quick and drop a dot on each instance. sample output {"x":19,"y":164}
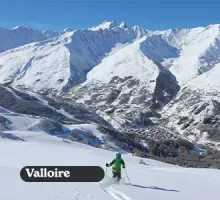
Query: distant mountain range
{"x":164,"y":84}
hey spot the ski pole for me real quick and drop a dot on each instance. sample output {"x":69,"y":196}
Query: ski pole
{"x":106,"y":171}
{"x":127,"y":177}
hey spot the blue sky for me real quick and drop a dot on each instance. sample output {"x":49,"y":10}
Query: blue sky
{"x":149,"y":14}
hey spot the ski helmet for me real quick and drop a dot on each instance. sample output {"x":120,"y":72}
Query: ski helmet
{"x":118,"y":155}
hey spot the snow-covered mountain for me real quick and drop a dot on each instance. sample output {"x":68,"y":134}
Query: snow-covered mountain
{"x":21,"y":35}
{"x":199,"y":51}
{"x":186,"y":52}
{"x":195,"y":110}
{"x":69,"y":58}
{"x":125,"y":85}
{"x":133,"y":78}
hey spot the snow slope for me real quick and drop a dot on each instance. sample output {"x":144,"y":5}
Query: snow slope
{"x":123,"y":63}
{"x":199,"y":51}
{"x":155,"y":180}
{"x":62,"y":62}
{"x":208,"y":82}
{"x":21,"y":35}
{"x":29,"y":69}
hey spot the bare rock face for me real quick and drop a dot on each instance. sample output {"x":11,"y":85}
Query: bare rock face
{"x":166,"y":88}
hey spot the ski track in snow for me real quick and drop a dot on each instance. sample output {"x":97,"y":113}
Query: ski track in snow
{"x":117,"y":195}
{"x":107,"y":186}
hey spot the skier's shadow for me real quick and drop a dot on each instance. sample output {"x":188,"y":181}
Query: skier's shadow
{"x":154,"y":188}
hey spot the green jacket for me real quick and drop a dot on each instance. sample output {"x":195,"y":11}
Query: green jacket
{"x":116,"y":164}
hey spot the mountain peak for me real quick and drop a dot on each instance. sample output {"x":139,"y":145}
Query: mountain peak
{"x":123,"y":25}
{"x":67,"y":30}
{"x":105,"y":25}
{"x":22,"y":27}
{"x":215,"y":26}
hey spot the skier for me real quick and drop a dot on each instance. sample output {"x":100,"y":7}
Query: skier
{"x":116,"y":168}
